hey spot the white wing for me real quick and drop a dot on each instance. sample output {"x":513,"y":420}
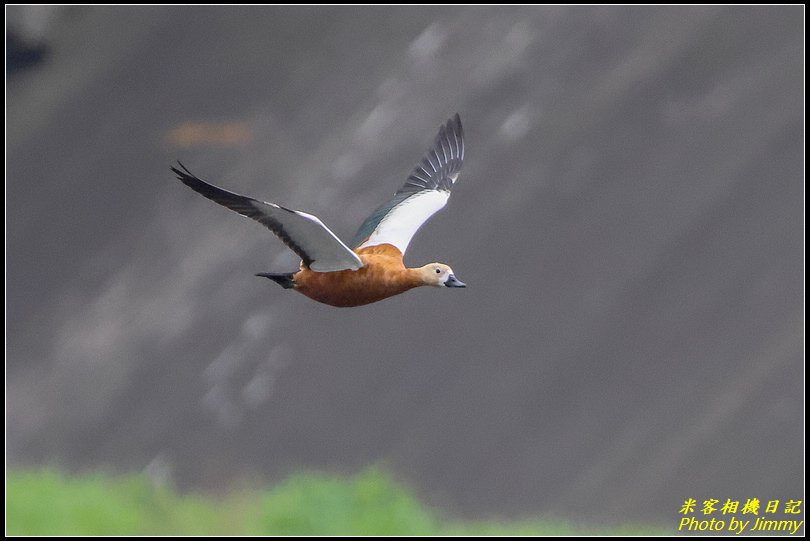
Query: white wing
{"x":303,"y":233}
{"x":424,"y":193}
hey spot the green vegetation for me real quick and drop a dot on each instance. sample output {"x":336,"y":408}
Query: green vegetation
{"x":370,"y":503}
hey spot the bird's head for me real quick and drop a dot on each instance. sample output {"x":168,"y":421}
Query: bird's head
{"x":439,"y":275}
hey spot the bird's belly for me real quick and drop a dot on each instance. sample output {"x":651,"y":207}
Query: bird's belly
{"x":350,"y":288}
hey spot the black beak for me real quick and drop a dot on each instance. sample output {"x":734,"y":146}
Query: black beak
{"x":452,"y":281}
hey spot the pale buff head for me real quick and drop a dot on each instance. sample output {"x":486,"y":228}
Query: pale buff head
{"x":439,"y":275}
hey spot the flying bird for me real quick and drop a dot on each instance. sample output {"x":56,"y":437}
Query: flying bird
{"x":373,"y":269}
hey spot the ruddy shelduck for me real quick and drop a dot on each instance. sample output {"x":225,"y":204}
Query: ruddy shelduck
{"x":331,"y":272}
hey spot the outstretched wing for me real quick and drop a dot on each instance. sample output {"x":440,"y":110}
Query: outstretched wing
{"x":305,"y":234}
{"x":425,"y":192}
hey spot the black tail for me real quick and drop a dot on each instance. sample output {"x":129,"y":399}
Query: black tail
{"x":284,"y":279}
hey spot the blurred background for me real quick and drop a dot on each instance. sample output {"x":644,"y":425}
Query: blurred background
{"x":629,"y":221}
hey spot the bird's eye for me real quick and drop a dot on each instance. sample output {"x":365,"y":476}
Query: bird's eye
{"x":438,"y":271}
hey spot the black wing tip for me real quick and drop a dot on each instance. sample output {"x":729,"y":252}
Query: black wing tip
{"x":453,"y":125}
{"x":451,"y":128}
{"x":185,"y":175}
{"x":200,"y":186}
{"x":450,"y":139}
{"x":196,"y":183}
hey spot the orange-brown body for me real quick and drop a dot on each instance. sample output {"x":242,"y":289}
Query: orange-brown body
{"x":383,"y":275}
